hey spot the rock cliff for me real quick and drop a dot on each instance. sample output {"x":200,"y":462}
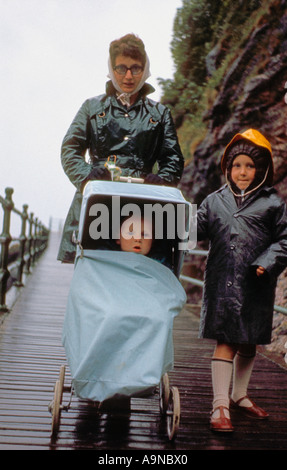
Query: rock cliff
{"x":253,"y":93}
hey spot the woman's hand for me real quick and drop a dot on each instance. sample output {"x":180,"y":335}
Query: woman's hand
{"x":154,"y":179}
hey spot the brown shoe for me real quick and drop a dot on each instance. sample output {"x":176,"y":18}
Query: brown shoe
{"x":252,"y":411}
{"x":221,"y":424}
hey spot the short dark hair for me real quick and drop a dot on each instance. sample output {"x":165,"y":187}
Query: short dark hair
{"x":129,"y":45}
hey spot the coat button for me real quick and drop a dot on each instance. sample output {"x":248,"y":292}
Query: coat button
{"x":126,"y":137}
{"x":229,"y":284}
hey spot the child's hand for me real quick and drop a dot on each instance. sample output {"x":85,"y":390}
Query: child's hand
{"x":260,"y":270}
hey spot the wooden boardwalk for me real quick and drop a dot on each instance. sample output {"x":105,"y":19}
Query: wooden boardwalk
{"x":31,"y":355}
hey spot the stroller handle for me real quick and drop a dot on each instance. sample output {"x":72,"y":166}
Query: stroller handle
{"x":116,"y":171}
{"x":130,"y":179}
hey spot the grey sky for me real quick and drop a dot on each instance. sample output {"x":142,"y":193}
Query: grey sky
{"x":53,"y":56}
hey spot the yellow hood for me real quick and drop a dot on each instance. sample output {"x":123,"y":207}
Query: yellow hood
{"x":254,"y":136}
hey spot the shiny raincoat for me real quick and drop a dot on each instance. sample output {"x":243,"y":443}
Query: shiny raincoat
{"x":139,"y":136}
{"x":238,"y":305}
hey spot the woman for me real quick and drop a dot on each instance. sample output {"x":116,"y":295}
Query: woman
{"x":121,"y":122}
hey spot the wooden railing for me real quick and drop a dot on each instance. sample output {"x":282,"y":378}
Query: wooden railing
{"x":18,"y":254}
{"x":198,"y":282}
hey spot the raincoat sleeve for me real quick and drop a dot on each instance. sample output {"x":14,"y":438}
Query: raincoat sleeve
{"x":274,"y":258}
{"x":170,"y":160}
{"x":74,"y":147}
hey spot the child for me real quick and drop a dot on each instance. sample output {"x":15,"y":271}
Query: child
{"x":246,"y":224}
{"x":136,"y":235}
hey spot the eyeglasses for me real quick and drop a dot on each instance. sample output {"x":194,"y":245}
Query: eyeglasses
{"x":134,"y":69}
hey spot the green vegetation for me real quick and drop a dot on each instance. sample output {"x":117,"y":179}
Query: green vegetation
{"x":207,"y":37}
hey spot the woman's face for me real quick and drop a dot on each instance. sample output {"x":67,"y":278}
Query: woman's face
{"x":128,"y":81}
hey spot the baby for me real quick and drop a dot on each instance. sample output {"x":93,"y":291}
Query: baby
{"x":136,"y":235}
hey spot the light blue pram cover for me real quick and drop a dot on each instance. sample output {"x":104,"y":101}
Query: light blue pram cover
{"x":118,"y":325}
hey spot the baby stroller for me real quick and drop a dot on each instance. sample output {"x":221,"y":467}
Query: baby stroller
{"x":118,"y":325}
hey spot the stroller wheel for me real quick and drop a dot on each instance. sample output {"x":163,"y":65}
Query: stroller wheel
{"x":55,"y":409}
{"x":173,"y":413}
{"x":164,"y":393}
{"x":55,"y":406}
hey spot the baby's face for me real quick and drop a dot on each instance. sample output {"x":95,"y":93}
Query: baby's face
{"x":136,"y":236}
{"x":243,"y":171}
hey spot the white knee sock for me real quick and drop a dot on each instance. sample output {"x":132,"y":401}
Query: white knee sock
{"x":243,"y":366}
{"x":221,"y":370}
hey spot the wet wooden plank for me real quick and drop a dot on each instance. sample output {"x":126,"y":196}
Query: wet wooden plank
{"x":31,"y":355}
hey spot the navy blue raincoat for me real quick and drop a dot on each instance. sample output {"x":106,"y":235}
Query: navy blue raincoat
{"x":238,"y":305}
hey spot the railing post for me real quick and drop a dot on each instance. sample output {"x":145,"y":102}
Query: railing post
{"x":42,"y":239}
{"x":5,"y":239}
{"x":30,"y":245}
{"x":22,"y":239}
{"x":35,"y":241}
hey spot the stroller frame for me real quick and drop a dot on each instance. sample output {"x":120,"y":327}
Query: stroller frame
{"x":169,"y":404}
{"x":169,"y":396}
